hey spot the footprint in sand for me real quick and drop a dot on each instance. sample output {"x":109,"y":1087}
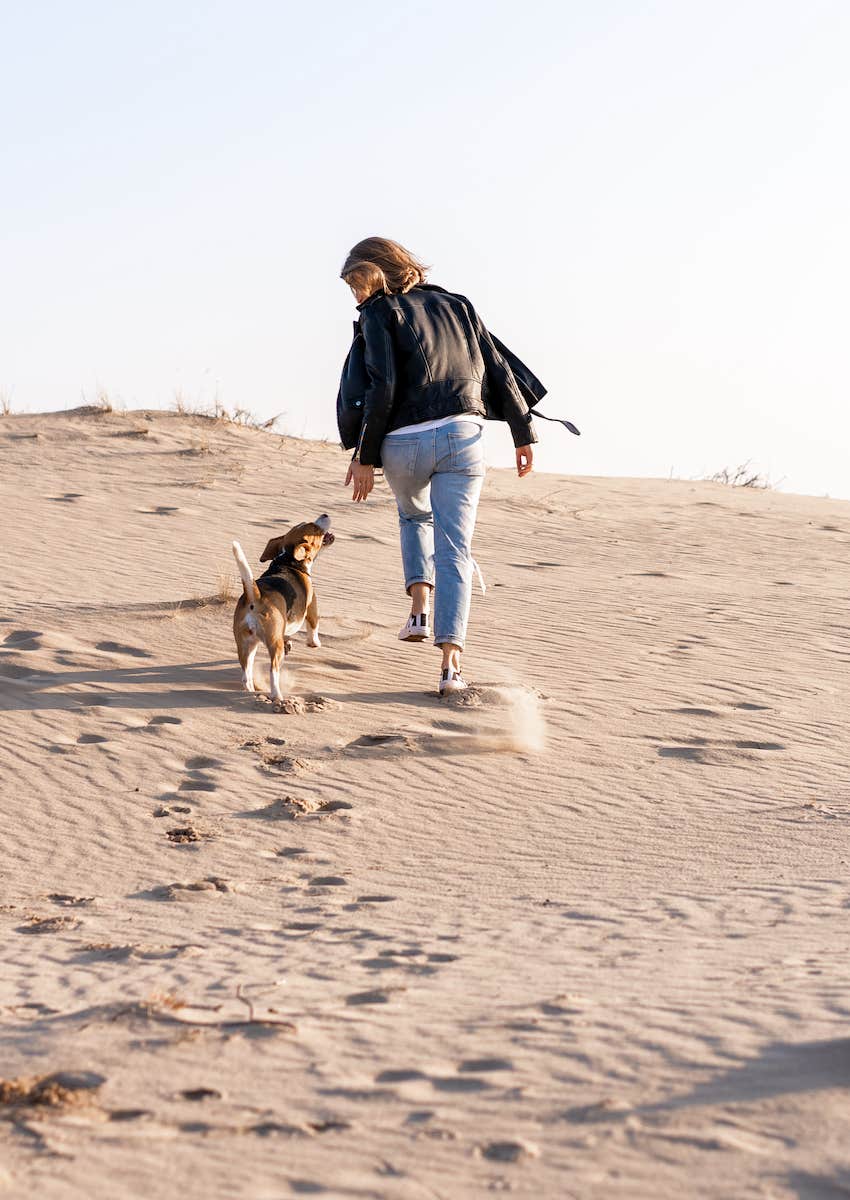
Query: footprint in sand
{"x":113,"y":952}
{"x":396,"y":740}
{"x":48,"y":925}
{"x":459,"y":1084}
{"x":119,"y":648}
{"x":69,"y":901}
{"x":66,"y":498}
{"x":400,"y":1075}
{"x":165,"y":720}
{"x":378,"y":996}
{"x":297,"y":705}
{"x":715,"y":753}
{"x":23,"y":639}
{"x":413,"y":961}
{"x":161,"y":510}
{"x":13,"y":671}
{"x":286,"y":763}
{"x":198,"y":889}
{"x":188,"y":835}
{"x":293,"y":808}
{"x":508,"y":1152}
{"x":480,"y":1066}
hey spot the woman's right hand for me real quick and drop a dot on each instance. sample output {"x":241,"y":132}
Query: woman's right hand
{"x":363,"y":479}
{"x":524,"y":460}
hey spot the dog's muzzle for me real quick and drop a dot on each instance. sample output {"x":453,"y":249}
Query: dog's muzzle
{"x":324,"y":523}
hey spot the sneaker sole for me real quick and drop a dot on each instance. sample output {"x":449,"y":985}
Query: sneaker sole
{"x":415,"y":637}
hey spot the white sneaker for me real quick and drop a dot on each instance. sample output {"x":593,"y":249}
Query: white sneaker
{"x":415,"y":629}
{"x":452,"y":681}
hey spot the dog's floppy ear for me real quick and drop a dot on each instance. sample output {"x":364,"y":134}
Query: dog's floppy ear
{"x":274,"y":547}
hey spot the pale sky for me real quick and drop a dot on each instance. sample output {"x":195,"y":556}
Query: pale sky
{"x":647,"y":201}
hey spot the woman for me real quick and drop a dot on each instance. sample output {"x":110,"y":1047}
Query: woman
{"x":421,"y":376}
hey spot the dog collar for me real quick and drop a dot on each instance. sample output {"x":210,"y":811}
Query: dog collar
{"x":287,"y":560}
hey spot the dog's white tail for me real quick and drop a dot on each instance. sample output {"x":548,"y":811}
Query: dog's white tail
{"x":252,"y":592}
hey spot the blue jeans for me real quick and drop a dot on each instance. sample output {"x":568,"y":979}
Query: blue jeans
{"x":436,"y":476}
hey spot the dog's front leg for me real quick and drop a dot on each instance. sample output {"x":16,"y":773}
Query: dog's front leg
{"x":312,"y":617}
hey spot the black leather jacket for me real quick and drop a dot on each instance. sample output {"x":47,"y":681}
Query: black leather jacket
{"x":422,"y":356}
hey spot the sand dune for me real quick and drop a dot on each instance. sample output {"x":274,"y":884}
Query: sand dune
{"x":580,"y":933}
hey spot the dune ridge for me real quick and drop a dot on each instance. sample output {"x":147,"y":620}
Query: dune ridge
{"x":579,"y":933}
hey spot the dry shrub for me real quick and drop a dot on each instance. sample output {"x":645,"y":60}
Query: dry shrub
{"x":5,"y":404}
{"x":218,"y":412}
{"x":742,"y":476}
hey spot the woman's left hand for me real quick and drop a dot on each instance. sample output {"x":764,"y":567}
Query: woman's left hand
{"x":524,"y":460}
{"x":363,"y":479}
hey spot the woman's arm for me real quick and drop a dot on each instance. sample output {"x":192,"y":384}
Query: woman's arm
{"x":500,"y":378}
{"x":380,"y":394}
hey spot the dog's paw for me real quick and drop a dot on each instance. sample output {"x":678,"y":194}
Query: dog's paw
{"x":313,"y":641}
{"x":287,"y":647}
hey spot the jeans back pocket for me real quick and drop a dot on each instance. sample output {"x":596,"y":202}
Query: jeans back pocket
{"x":398,"y":455}
{"x":466,"y":440}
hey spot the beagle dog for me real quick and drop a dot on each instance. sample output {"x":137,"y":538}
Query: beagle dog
{"x":277,"y":604}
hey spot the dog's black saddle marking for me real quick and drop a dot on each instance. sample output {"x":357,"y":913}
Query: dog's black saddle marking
{"x":277,"y":579}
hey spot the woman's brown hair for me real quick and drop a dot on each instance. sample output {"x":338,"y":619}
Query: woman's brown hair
{"x":379,"y":265}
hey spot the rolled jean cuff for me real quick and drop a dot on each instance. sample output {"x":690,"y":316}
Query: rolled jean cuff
{"x":408,"y":583}
{"x":450,"y":637}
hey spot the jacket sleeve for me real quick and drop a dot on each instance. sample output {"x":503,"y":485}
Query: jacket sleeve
{"x":379,"y":361}
{"x":501,"y":381}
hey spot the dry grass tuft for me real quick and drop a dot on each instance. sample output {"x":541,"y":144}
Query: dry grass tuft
{"x":219,"y":413}
{"x":5,"y":404}
{"x":103,"y":401}
{"x":181,"y":405}
{"x":227,"y":588}
{"x":742,"y":476}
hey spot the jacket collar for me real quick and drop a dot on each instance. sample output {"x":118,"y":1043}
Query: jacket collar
{"x":378,"y":295}
{"x":371,"y":300}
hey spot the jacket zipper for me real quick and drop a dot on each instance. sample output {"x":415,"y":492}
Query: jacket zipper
{"x":360,"y":441}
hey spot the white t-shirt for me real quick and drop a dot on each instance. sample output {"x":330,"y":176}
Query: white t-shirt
{"x":471,"y":418}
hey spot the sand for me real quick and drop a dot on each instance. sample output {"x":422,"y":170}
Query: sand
{"x":582,"y":933}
